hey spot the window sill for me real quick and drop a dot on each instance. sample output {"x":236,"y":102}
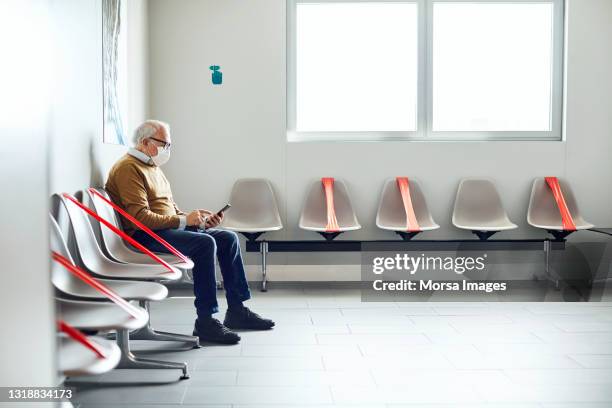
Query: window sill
{"x":339,"y":137}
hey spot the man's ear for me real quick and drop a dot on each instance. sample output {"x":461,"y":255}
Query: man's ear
{"x":146,"y":143}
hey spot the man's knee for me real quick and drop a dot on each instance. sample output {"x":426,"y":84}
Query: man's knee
{"x":205,"y":245}
{"x":227,"y":239}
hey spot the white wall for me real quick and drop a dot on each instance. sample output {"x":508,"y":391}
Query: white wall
{"x":51,"y":131}
{"x":51,"y":127}
{"x":78,"y":156}
{"x":26,"y":307}
{"x":137,"y":62}
{"x":238,"y":129}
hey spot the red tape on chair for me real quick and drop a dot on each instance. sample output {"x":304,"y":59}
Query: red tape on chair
{"x":412,"y":225}
{"x":140,"y":225}
{"x":89,"y":280}
{"x":80,"y":337}
{"x":119,"y":232}
{"x":332,"y":221}
{"x":566,"y":216}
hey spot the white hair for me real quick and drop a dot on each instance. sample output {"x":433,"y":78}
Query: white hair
{"x":149,"y":128}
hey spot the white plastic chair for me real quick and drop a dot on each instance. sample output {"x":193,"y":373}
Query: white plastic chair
{"x":544,"y":213}
{"x":391,"y":213}
{"x":254,"y":209}
{"x":89,"y":254}
{"x":71,"y":286}
{"x":478,"y":208}
{"x":74,"y":358}
{"x":114,"y":246}
{"x":98,"y":316}
{"x":315,"y":211}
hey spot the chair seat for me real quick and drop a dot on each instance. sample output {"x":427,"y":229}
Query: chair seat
{"x":314,"y":212}
{"x":543,"y":211}
{"x":128,"y":290}
{"x":249,"y":227}
{"x":86,"y":315}
{"x":478,"y":207}
{"x":399,"y":226}
{"x":254,"y":208}
{"x":391,"y":213}
{"x":76,"y":359}
{"x":319,"y":228}
{"x":580,"y":223}
{"x":114,"y":270}
{"x":480,"y":225}
{"x":127,"y":255}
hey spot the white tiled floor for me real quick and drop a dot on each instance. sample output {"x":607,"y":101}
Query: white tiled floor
{"x":331,"y":350}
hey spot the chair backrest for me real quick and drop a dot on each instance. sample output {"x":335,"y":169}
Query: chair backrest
{"x":111,"y":243}
{"x":391,"y":212}
{"x":253,"y":206}
{"x":314,"y":212}
{"x":543,"y":211}
{"x":60,"y":277}
{"x":478,"y":204}
{"x":89,"y":253}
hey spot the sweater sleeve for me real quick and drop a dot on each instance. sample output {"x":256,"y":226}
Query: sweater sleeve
{"x":133,"y":196}
{"x":178,"y":211}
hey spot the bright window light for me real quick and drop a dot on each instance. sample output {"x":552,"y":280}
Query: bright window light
{"x":356,"y":66}
{"x":492,"y":66}
{"x":27,"y":64}
{"x":377,"y":70}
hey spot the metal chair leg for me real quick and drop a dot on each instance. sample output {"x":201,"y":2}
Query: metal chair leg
{"x":219,"y":281}
{"x":148,"y":333}
{"x":547,"y":258}
{"x":547,"y":269}
{"x":264,"y":266}
{"x":130,"y":361}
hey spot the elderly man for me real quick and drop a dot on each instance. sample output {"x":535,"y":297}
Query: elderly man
{"x":137,"y":184}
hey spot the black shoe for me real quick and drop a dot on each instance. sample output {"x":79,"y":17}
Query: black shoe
{"x":243,"y":318}
{"x":211,"y":330}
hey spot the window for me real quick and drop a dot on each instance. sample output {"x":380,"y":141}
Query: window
{"x":360,"y":74}
{"x":425,"y":70}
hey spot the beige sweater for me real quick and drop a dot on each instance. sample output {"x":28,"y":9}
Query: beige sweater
{"x":144,"y":192}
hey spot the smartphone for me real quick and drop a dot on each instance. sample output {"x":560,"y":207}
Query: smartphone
{"x":224,"y":209}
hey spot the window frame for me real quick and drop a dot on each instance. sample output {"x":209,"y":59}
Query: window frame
{"x":424,"y":113}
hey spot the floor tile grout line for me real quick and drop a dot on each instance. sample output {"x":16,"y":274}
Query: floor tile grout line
{"x":331,"y":395}
{"x":373,"y":378}
{"x":184,"y":394}
{"x":569,"y":356}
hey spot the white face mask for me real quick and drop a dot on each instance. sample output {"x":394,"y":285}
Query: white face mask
{"x":161,"y":158}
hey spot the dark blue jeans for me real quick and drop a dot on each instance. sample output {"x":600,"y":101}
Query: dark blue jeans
{"x":202,"y":246}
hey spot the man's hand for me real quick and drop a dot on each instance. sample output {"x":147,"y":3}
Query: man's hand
{"x":195,"y":218}
{"x":205,"y":213}
{"x":212,"y":219}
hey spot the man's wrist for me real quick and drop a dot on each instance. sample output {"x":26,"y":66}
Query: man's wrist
{"x":203,"y":224}
{"x":182,"y":221}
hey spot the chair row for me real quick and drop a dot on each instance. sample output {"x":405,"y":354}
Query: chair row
{"x":402,"y":208}
{"x":95,"y":283}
